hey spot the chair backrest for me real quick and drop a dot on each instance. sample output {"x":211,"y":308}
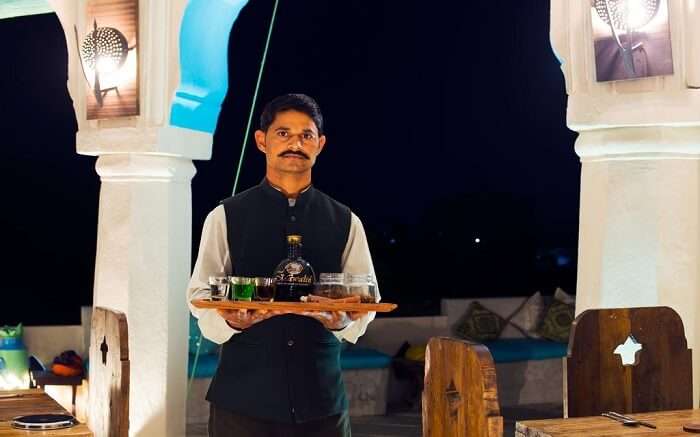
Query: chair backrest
{"x":460,"y":395}
{"x":108,"y":414}
{"x":605,"y":369}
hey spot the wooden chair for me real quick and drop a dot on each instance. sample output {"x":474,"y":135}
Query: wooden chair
{"x":108,"y":414}
{"x":460,"y":396}
{"x":657,"y":377}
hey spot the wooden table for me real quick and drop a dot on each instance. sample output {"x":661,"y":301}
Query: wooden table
{"x":668,"y":423}
{"x":34,"y":401}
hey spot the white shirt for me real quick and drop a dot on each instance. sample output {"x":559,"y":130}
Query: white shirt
{"x":214,"y":259}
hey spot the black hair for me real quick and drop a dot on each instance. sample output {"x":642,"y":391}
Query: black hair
{"x":291,"y":102}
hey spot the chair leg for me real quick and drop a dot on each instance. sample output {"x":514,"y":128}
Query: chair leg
{"x":75,"y":389}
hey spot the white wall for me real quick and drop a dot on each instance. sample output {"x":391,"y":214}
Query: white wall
{"x":387,"y":334}
{"x":47,"y":342}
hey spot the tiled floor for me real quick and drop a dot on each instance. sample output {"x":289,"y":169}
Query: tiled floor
{"x":369,"y":426}
{"x":408,"y":424}
{"x":401,"y":424}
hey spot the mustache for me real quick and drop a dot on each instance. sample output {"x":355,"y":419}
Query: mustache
{"x":289,"y":152}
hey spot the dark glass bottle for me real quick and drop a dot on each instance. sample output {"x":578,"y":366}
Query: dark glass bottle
{"x":294,"y":276}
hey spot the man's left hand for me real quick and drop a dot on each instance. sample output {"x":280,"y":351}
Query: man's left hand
{"x":334,"y":320}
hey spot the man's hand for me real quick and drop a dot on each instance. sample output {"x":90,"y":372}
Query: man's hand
{"x":242,"y":319}
{"x":334,"y":320}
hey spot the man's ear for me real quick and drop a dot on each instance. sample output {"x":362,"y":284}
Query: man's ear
{"x":260,"y":140}
{"x":321,"y":143}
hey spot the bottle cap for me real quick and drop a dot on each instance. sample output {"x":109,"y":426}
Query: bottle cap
{"x":294,"y":239}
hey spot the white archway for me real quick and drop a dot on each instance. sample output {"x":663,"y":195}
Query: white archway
{"x":145,"y":165}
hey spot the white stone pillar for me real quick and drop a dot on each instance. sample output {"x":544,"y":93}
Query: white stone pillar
{"x":142,"y":264}
{"x":639,"y":144}
{"x":142,"y":267}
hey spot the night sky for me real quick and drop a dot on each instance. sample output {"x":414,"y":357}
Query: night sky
{"x":445,"y":123}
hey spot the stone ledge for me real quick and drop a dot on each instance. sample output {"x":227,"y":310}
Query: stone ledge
{"x":165,"y":140}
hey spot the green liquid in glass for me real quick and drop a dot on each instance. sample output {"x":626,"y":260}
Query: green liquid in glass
{"x":243,"y":291}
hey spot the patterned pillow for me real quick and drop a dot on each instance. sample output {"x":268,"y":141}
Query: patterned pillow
{"x":416,"y":353}
{"x":479,"y":324}
{"x":557,"y":322}
{"x":528,"y":317}
{"x":563,"y":296}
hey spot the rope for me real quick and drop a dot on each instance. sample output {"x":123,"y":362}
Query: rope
{"x":255,"y":96}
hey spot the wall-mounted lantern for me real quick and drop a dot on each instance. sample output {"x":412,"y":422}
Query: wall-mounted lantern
{"x":102,"y":51}
{"x":632,"y":39}
{"x":109,"y":59}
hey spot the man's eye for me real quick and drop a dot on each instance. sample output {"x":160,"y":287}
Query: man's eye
{"x":308,"y":136}
{"x":282,"y":133}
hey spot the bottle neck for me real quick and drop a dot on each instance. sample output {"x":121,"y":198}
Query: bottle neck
{"x":294,"y":251}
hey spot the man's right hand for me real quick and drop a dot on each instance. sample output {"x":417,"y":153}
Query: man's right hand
{"x":243,"y":319}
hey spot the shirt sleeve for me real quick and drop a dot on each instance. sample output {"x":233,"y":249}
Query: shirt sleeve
{"x":357,"y":259}
{"x":213,"y":259}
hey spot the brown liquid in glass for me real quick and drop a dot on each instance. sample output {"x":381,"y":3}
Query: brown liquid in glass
{"x":265,"y":293}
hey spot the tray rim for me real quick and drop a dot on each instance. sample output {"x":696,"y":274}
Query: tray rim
{"x":300,"y":306}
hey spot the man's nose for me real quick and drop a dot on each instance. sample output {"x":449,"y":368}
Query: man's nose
{"x":296,"y":142}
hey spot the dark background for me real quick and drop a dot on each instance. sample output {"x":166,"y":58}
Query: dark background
{"x":445,"y":123}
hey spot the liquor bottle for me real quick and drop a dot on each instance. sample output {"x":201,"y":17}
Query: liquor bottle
{"x":294,"y":276}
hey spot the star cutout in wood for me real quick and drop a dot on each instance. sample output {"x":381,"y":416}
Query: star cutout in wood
{"x":629,"y":351}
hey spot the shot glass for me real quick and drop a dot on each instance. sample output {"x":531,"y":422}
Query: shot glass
{"x":265,"y":289}
{"x":243,"y":288}
{"x":218,"y":285}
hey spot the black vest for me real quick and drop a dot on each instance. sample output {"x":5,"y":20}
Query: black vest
{"x":287,"y":368}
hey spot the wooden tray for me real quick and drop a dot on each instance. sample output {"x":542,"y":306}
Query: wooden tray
{"x":296,"y":307}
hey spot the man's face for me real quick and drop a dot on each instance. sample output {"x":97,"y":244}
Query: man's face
{"x":291,"y":143}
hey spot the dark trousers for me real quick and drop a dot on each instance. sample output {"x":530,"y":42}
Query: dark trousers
{"x":224,"y":423}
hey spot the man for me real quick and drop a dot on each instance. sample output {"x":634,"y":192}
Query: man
{"x":279,"y":374}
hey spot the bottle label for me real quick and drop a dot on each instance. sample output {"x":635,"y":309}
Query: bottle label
{"x":294,"y":278}
{"x":293,"y":268}
{"x":303,"y":279}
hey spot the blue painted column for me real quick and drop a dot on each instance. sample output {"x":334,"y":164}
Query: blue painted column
{"x":204,"y":37}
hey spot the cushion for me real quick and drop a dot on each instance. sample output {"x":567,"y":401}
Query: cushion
{"x":557,"y":322}
{"x":363,"y":358}
{"x":353,"y":358}
{"x":479,"y":324}
{"x":529,"y":316}
{"x":416,"y":353}
{"x":507,"y":350}
{"x":207,"y":347}
{"x":563,"y":296}
{"x":206,"y":366}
